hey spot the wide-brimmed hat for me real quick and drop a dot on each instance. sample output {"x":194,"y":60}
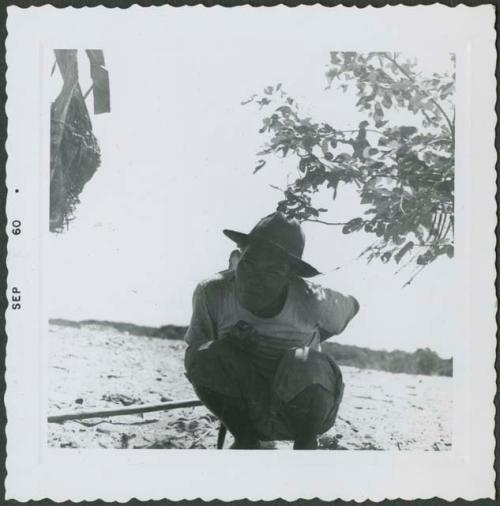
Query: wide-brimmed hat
{"x":283,"y":233}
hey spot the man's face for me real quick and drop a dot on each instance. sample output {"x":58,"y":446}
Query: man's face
{"x":262,"y":276}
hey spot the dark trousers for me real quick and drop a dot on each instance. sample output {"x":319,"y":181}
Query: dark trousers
{"x":298,"y":398}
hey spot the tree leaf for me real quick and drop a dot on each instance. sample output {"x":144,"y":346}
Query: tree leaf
{"x":386,"y":256}
{"x":387,"y":101}
{"x":402,"y":252}
{"x":352,"y":225}
{"x":303,"y":164}
{"x":380,"y":123}
{"x":378,"y":112}
{"x":325,"y":147}
{"x":259,"y":166}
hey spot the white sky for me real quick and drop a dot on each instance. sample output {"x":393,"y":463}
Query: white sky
{"x":178,"y":151}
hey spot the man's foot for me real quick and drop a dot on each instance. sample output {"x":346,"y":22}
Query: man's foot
{"x":250,"y":444}
{"x":309,"y":443}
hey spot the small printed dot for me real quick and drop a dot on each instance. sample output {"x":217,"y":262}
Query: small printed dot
{"x":17,"y":191}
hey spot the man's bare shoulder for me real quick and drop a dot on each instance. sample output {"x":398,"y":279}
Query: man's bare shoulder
{"x":309,"y":288}
{"x":316,"y":292}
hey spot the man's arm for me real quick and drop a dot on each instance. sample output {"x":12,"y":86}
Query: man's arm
{"x":335,"y":311}
{"x":202,"y":328}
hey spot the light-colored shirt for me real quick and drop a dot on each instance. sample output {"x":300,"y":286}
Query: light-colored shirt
{"x":310,"y":314}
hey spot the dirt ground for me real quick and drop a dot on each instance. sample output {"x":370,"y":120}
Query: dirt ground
{"x":97,"y":367}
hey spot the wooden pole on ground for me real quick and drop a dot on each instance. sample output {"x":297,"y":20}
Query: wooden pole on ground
{"x":132,"y":410}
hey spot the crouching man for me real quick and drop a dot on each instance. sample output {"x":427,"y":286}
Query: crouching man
{"x":254,"y":356}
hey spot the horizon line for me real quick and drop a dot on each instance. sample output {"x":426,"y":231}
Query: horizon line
{"x":90,"y":321}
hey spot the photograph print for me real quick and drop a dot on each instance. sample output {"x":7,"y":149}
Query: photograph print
{"x":260,"y":247}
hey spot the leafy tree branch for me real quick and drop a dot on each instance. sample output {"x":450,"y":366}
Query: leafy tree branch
{"x":403,"y":174}
{"x":441,"y":110}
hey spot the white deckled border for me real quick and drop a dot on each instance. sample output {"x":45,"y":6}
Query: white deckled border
{"x":36,"y":472}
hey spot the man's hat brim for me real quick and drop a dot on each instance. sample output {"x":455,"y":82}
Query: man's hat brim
{"x":299,"y":267}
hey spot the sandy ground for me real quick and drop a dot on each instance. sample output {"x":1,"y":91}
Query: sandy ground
{"x":96,"y":367}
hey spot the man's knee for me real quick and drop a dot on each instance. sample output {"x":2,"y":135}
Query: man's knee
{"x":216,"y":365}
{"x":313,"y":398}
{"x":218,"y":403}
{"x":207,"y":354}
{"x":304,"y":367}
{"x":312,"y":411}
{"x":309,"y":359}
